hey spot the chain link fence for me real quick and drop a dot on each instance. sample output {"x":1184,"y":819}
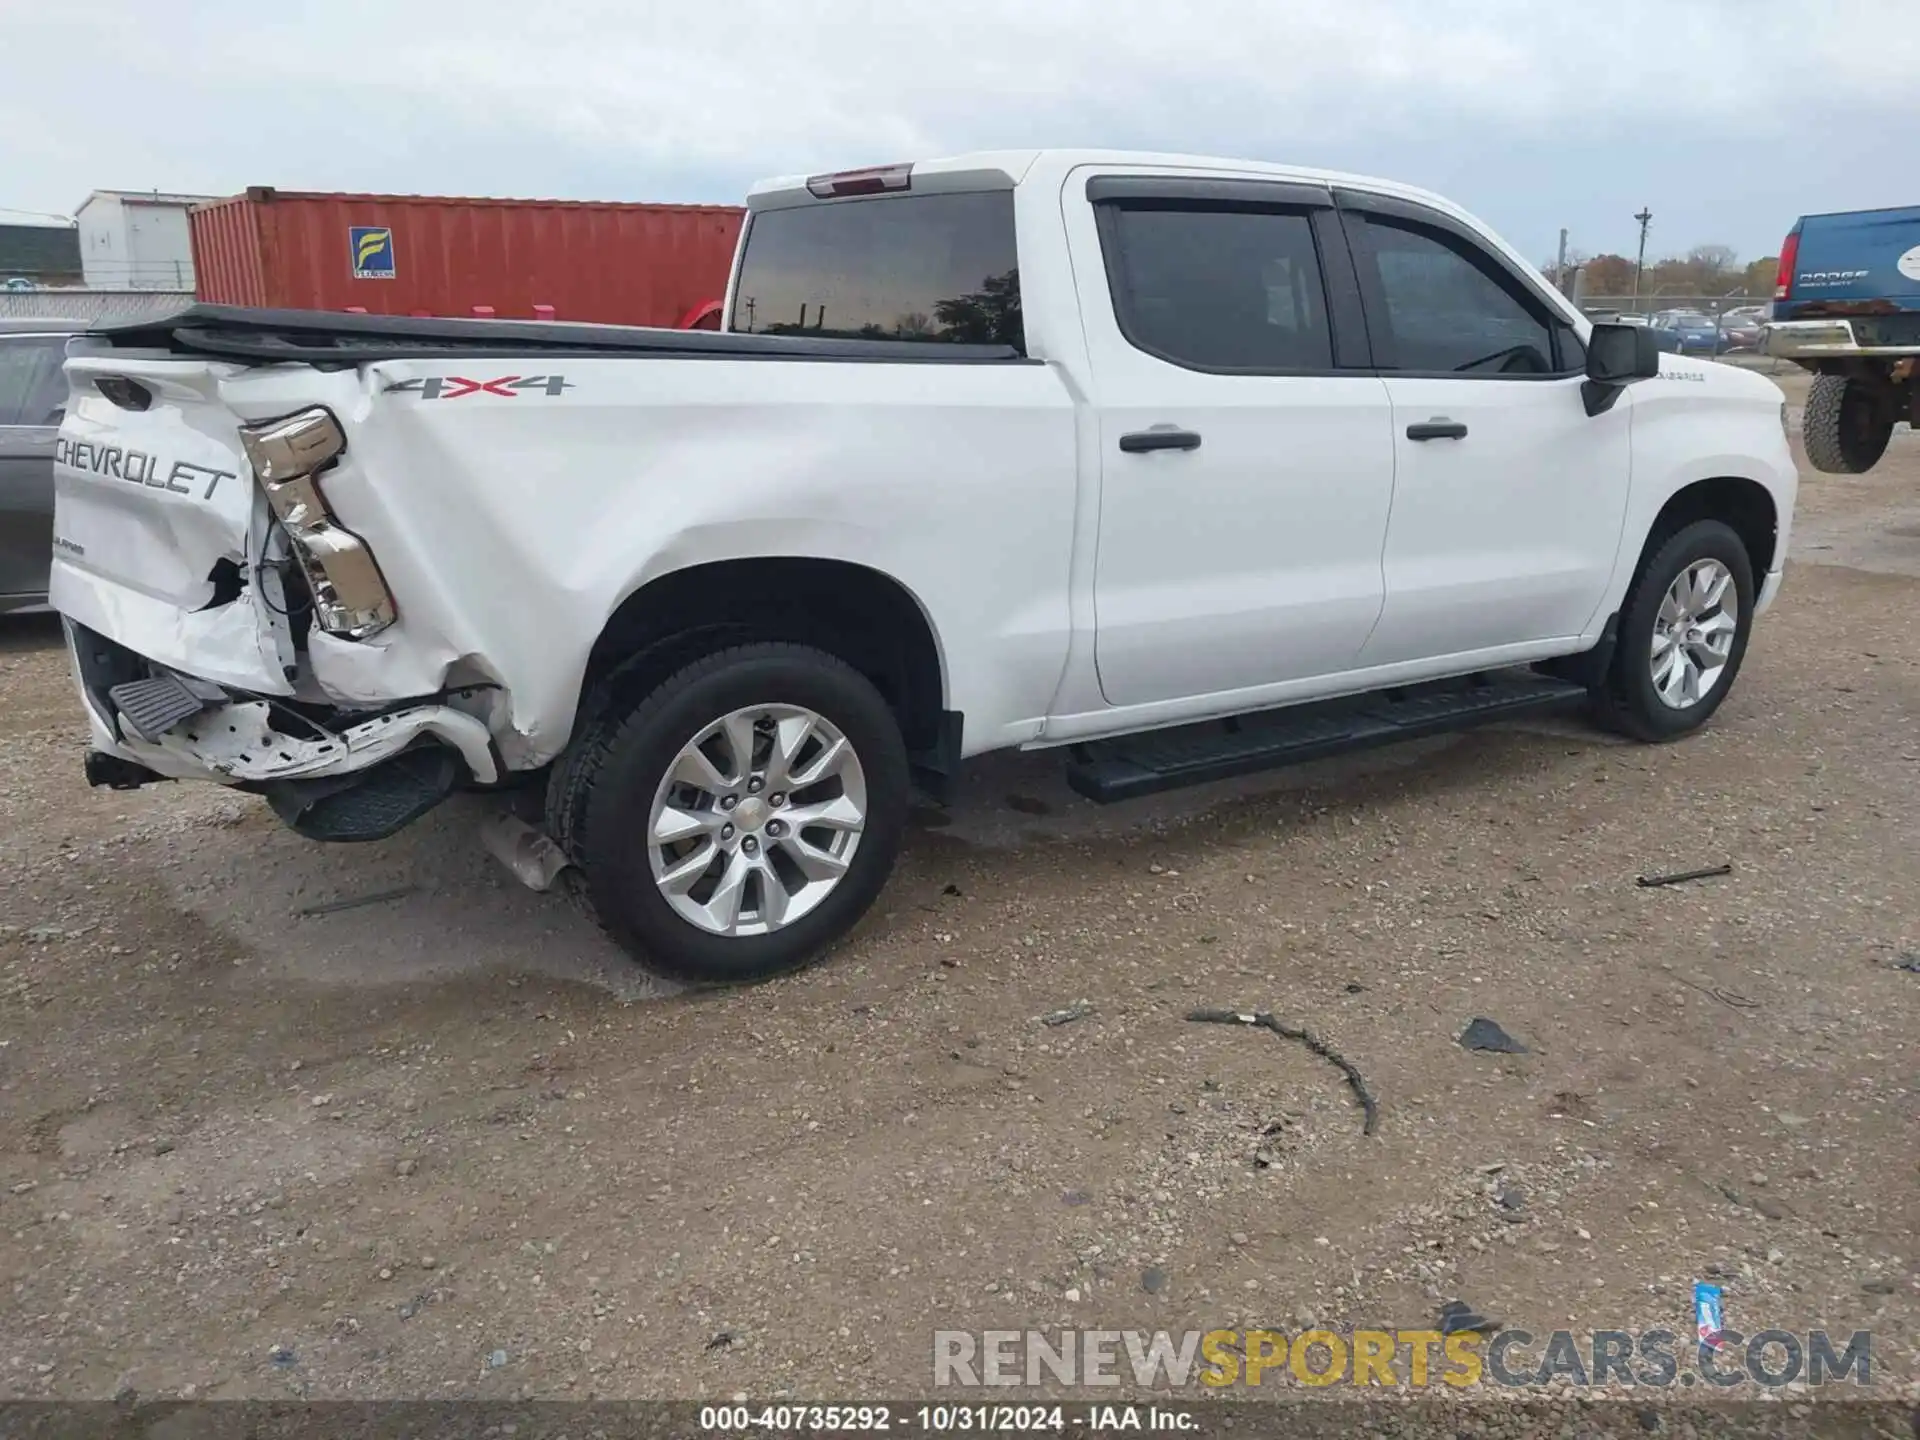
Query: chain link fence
{"x":90,"y":305}
{"x":1713,"y":306}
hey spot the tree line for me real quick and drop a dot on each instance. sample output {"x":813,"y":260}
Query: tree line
{"x":1705,"y":270}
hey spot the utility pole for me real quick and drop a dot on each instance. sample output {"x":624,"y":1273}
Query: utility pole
{"x":1560,"y":265}
{"x":1645,"y":217}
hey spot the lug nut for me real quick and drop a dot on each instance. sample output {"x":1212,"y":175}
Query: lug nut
{"x":753,"y":785}
{"x":776,"y":798}
{"x":776,"y":828}
{"x":750,"y":845}
{"x":727,"y":802}
{"x":726,"y":832}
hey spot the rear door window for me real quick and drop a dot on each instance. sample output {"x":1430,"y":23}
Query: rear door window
{"x":935,"y":268}
{"x":1218,"y":288}
{"x":49,"y":405}
{"x":32,"y":387}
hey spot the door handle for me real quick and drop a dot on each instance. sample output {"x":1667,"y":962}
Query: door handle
{"x":1438,"y":428}
{"x":1138,"y":442}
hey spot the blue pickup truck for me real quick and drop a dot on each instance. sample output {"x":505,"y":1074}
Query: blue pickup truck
{"x":1846,"y":306}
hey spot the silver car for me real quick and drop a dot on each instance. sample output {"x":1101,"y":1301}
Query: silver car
{"x":33,"y":397}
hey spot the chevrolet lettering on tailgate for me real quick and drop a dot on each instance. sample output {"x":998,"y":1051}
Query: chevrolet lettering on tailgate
{"x":137,"y":467}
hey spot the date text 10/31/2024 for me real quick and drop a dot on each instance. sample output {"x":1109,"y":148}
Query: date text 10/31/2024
{"x":940,"y":1419}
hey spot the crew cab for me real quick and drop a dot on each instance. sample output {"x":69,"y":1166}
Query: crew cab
{"x":1181,"y":467}
{"x":1846,"y":306}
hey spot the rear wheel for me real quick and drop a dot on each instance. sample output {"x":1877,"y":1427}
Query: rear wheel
{"x":744,"y":815}
{"x":1847,"y":425}
{"x":1683,"y":634}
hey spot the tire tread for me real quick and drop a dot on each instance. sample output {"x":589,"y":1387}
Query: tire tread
{"x":1823,"y":429}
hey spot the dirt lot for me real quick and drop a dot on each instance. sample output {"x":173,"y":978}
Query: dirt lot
{"x":450,"y":1144}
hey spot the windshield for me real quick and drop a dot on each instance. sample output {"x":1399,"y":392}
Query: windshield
{"x":907,"y":267}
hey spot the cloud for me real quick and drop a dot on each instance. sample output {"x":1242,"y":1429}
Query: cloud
{"x":1545,"y":114}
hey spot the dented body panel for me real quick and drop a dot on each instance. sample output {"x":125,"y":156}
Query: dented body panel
{"x":148,"y":505}
{"x":512,"y":520}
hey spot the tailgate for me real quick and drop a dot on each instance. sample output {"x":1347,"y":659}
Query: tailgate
{"x":1870,"y":255}
{"x":158,"y":526}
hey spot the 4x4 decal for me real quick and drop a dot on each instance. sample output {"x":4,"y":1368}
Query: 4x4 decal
{"x":452,"y":387}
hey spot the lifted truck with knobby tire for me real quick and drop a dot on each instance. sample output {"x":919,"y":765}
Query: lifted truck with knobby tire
{"x":1847,"y":307}
{"x":1181,"y":468}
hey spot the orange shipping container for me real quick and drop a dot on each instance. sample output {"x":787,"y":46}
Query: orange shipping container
{"x":616,"y":264}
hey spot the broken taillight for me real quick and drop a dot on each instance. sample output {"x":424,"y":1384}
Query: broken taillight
{"x":874,"y":180}
{"x":350,"y":598}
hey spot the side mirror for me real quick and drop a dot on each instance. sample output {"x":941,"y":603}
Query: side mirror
{"x":1618,"y":355}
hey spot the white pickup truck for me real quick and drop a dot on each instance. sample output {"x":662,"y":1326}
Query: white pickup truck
{"x":1187,"y":467}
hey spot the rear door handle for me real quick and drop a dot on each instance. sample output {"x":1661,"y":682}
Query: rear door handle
{"x":1438,"y":428}
{"x":1138,"y":442}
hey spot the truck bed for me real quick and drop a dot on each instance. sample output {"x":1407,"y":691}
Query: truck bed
{"x":327,"y":340}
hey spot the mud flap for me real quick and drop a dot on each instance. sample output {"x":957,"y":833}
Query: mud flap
{"x":368,"y":804}
{"x":934,"y":769}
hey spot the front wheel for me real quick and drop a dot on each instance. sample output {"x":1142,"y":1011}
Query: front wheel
{"x":745,"y":815}
{"x":1683,"y":634}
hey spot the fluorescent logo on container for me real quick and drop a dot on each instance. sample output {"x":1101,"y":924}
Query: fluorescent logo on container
{"x":372,"y":248}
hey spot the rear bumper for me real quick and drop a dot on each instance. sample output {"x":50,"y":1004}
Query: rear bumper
{"x":258,"y":743}
{"x":1826,"y":339}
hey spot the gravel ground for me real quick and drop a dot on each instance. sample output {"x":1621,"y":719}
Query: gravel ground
{"x":449,"y":1144}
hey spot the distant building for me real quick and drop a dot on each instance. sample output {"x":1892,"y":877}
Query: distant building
{"x":137,"y":239}
{"x":42,"y":254}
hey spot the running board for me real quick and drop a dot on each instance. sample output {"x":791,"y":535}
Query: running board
{"x":1154,"y":760}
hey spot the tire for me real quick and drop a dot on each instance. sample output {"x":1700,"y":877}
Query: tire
{"x":1846,"y":429}
{"x":756,"y":692}
{"x":1630,"y":700}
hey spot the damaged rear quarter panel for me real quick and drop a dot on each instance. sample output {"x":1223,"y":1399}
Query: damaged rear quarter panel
{"x":412,"y":658}
{"x":510,"y":523}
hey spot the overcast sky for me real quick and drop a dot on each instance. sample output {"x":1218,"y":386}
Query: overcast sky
{"x":1727,"y":117}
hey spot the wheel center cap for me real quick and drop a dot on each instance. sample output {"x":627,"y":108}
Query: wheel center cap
{"x":750,"y":814}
